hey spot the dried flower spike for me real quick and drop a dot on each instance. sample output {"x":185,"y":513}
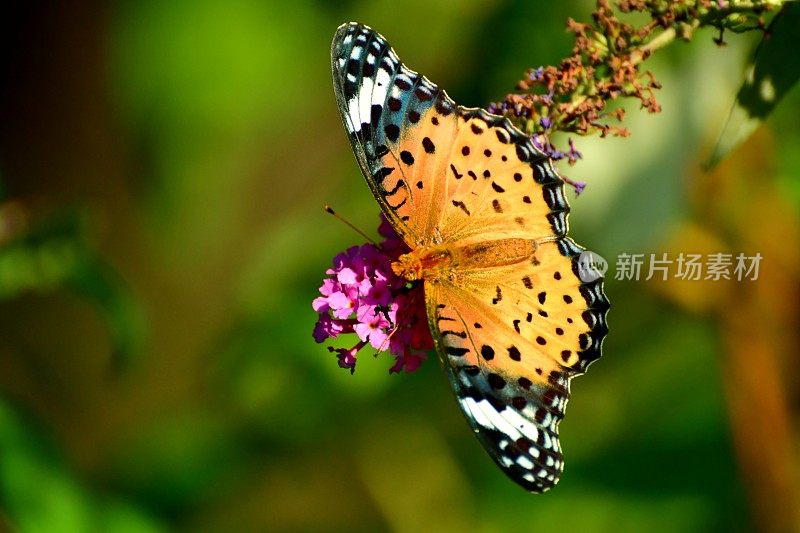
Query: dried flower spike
{"x":604,"y":66}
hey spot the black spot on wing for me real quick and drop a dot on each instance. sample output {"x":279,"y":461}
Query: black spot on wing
{"x":392,"y":132}
{"x":381,"y":173}
{"x":461,"y":206}
{"x":407,"y":157}
{"x":375,"y":114}
{"x":456,"y":351}
{"x":399,"y":185}
{"x":498,"y":295}
{"x":401,"y":204}
{"x":487,"y":352}
{"x":403,"y":84}
{"x":381,"y":151}
{"x":496,"y":381}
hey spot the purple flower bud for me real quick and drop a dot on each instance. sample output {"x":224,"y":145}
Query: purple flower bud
{"x":546,"y":122}
{"x":326,"y":327}
{"x":573,"y":154}
{"x":536,"y":74}
{"x":347,"y":357}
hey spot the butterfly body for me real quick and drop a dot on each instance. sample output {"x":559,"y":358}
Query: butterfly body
{"x":485,"y":216}
{"x":442,"y":263}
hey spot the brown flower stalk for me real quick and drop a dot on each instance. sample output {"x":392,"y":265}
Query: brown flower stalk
{"x":604,"y":66}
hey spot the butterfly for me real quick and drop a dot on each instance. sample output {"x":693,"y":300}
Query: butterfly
{"x":485,"y":215}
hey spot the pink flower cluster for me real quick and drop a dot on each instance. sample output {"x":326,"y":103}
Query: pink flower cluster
{"x":362,"y":295}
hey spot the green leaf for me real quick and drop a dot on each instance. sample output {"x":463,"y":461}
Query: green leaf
{"x":770,"y":76}
{"x":55,"y":255}
{"x":38,"y":492}
{"x":99,"y":285}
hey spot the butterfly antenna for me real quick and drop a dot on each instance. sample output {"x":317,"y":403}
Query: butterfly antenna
{"x":385,"y":343}
{"x":330,"y":211}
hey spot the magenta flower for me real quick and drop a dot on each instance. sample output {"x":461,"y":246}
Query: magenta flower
{"x":362,"y":295}
{"x":372,"y":326}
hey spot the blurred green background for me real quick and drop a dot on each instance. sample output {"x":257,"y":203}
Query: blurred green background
{"x":163,"y":167}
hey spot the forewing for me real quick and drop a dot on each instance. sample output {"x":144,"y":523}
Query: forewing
{"x":498,"y":185}
{"x":382,"y":104}
{"x":511,"y":338}
{"x":442,"y":173}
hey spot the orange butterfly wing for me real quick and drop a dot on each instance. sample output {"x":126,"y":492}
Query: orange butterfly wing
{"x":512,"y":337}
{"x":511,"y":333}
